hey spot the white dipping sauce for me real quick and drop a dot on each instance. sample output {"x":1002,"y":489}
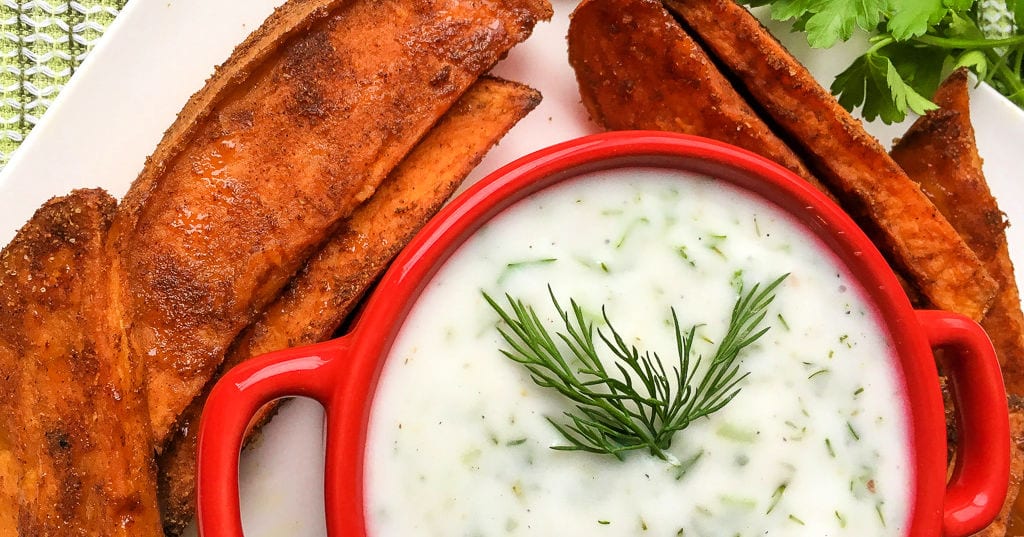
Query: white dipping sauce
{"x":814,"y":444}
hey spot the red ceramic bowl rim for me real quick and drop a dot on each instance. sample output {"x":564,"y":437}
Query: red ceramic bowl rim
{"x":410,"y":272}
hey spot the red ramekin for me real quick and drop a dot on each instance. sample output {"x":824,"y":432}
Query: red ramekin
{"x":342,"y":374}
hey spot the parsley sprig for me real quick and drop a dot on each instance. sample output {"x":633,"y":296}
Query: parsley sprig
{"x":644,"y":405}
{"x":914,"y":43}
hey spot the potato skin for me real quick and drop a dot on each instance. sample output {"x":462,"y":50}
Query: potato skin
{"x":263,"y":165}
{"x":330,"y":285}
{"x":76,"y":456}
{"x":905,"y":225}
{"x":939,"y":153}
{"x":637,"y":68}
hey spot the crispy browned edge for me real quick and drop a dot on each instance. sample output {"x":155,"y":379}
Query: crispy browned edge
{"x":286,"y":21}
{"x":327,"y":289}
{"x":1007,"y":522}
{"x":939,"y":153}
{"x":196,"y":324}
{"x":905,"y":224}
{"x":1014,"y":517}
{"x":637,"y":69}
{"x":71,"y":401}
{"x":290,"y":18}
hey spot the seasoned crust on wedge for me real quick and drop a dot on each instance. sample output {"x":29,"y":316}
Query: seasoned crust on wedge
{"x":326,"y":290}
{"x":287,"y":20}
{"x":638,"y":69}
{"x":216,"y":225}
{"x":939,"y":152}
{"x":905,"y":224}
{"x":71,"y":400}
{"x":1002,"y":523}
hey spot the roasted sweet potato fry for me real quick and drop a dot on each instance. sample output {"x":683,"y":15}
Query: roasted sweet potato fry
{"x":260,"y":169}
{"x":327,"y":289}
{"x":938,"y":152}
{"x":1013,"y":520}
{"x":76,"y":454}
{"x":1002,"y":524}
{"x":638,"y":69}
{"x":906,"y":225}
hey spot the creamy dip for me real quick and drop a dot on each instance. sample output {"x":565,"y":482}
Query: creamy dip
{"x":814,"y":444}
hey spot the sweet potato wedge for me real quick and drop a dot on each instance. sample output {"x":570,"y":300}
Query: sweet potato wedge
{"x":251,"y":180}
{"x":326,"y":290}
{"x":638,"y":69}
{"x":938,"y":152}
{"x":905,"y":224}
{"x":76,"y":456}
{"x":1009,"y":516}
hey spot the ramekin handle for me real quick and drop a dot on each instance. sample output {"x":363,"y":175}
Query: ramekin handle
{"x":234,"y":400}
{"x":977,"y":487}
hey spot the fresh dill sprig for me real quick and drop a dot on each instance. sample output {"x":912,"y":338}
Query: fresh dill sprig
{"x":645,"y":405}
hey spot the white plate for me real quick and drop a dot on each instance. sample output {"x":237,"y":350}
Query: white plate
{"x":158,"y":52}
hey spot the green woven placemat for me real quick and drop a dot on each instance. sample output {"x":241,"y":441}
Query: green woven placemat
{"x":41,"y":46}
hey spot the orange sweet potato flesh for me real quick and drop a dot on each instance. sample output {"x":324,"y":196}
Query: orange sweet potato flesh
{"x":1009,"y":519}
{"x":331,"y":283}
{"x":71,"y":399}
{"x":1013,"y":521}
{"x":906,"y":226}
{"x":262,"y":166}
{"x":939,"y":153}
{"x":638,"y":69}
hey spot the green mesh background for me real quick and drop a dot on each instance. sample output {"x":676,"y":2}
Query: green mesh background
{"x":42,"y":43}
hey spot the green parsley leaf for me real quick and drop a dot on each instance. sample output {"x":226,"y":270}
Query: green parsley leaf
{"x":962,"y":27}
{"x":835,"y":20}
{"x":912,"y":18}
{"x":789,"y":9}
{"x":914,"y":44}
{"x":975,"y":60}
{"x":958,"y":5}
{"x":874,"y":83}
{"x":1017,"y":8}
{"x":920,"y":67}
